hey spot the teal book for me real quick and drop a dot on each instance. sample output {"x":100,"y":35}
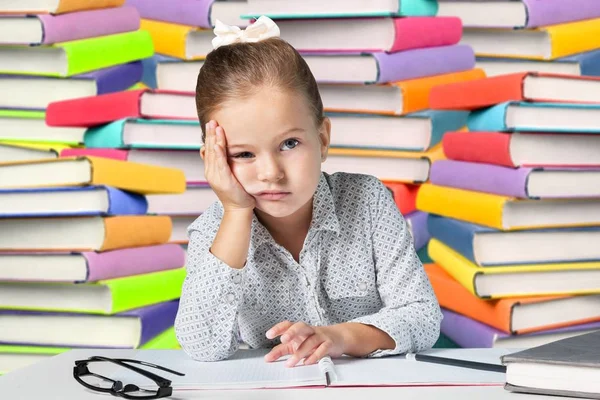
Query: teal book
{"x":137,"y":133}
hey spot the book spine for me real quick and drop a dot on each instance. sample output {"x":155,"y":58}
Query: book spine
{"x":479,"y":147}
{"x":454,"y":234}
{"x":125,"y":203}
{"x":421,"y":32}
{"x":489,"y":119}
{"x":466,"y":332}
{"x":552,"y":12}
{"x":417,"y":222}
{"x":445,"y":121}
{"x":118,"y":78}
{"x":109,"y":136}
{"x":184,"y":12}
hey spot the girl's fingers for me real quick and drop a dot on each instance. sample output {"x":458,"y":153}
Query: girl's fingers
{"x":304,"y":350}
{"x":278,"y":329}
{"x":298,"y":330}
{"x":279,"y":351}
{"x":319,"y":353}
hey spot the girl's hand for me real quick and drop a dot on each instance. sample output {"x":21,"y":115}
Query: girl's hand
{"x":218,"y":173}
{"x":307,"y":342}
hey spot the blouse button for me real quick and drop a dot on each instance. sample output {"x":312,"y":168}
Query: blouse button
{"x":362,"y":286}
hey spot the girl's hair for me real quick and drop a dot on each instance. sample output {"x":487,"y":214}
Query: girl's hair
{"x":238,"y":70}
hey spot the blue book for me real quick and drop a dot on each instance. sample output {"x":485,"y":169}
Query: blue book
{"x":149,"y":69}
{"x":70,"y":201}
{"x":138,"y":133}
{"x":537,"y":117}
{"x":491,"y":247}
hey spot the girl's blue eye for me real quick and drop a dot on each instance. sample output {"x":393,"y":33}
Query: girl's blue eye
{"x":290,"y":144}
{"x":244,"y":154}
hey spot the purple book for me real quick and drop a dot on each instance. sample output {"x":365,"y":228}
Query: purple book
{"x":494,"y":179}
{"x":87,"y":24}
{"x":152,"y":321}
{"x":550,"y":12}
{"x":409,"y":64}
{"x":468,"y":333}
{"x":417,"y":223}
{"x":185,"y":12}
{"x":115,"y":79}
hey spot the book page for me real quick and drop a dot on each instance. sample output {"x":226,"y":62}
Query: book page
{"x":398,"y":371}
{"x":246,"y":369}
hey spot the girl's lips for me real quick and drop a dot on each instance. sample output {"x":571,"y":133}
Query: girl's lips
{"x":273,"y":195}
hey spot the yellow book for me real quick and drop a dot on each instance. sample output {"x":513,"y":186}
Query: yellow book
{"x":179,"y":41}
{"x":517,"y":280}
{"x":82,"y":171}
{"x":544,"y":43}
{"x":13,"y":151}
{"x":507,"y":213}
{"x":388,"y":165}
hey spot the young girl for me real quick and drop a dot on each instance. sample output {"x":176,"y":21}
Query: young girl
{"x":292,"y":258}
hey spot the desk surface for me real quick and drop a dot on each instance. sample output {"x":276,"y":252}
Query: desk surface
{"x":53,"y":379}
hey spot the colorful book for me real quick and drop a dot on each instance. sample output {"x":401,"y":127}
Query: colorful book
{"x":418,"y":131}
{"x":36,"y":92}
{"x":20,"y":151}
{"x":103,"y":297}
{"x":29,"y":126}
{"x":129,"y":329}
{"x":370,"y":34}
{"x":76,"y":57}
{"x":89,"y":266}
{"x":536,"y":117}
{"x":200,"y":13}
{"x":522,"y":183}
{"x":524,"y":86}
{"x":544,"y":43}
{"x":585,"y":64}
{"x":518,"y":14}
{"x":83,"y":233}
{"x":83,"y":171}
{"x":405,"y":196}
{"x":180,"y":41}
{"x":145,"y":134}
{"x":145,"y":103}
{"x":516,"y":315}
{"x":383,"y":67}
{"x":395,"y":166}
{"x":507,"y":213}
{"x":57,"y":7}
{"x":488,"y":247}
{"x":188,"y":161}
{"x":523,"y":149}
{"x":37,"y":29}
{"x":397,"y":98}
{"x":417,"y":224}
{"x":469,"y":333}
{"x":340,"y":8}
{"x":70,"y":201}
{"x":517,"y":280}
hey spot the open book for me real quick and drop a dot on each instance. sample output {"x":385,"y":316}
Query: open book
{"x":248,"y":370}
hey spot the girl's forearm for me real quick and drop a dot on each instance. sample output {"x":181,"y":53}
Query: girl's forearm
{"x":233,"y":238}
{"x":361,"y":339}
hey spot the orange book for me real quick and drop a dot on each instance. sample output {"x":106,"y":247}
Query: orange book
{"x":82,"y":171}
{"x":84,"y":233}
{"x":524,"y":86}
{"x":516,"y":315}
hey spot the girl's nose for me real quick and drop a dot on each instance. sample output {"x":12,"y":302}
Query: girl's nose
{"x":270,"y":170}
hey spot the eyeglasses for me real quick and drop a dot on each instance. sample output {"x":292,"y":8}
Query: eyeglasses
{"x":100,"y":383}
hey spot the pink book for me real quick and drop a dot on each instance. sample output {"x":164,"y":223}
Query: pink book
{"x":91,"y":266}
{"x":83,"y":24}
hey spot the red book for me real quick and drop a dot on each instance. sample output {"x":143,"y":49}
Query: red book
{"x":144,"y":103}
{"x":405,"y":196}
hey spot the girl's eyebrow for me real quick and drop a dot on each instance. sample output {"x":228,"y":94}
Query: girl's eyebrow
{"x":277,"y":138}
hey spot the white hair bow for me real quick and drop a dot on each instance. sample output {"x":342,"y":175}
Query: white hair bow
{"x":263,"y":28}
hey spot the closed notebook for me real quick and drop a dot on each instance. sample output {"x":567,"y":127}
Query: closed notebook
{"x":523,"y":183}
{"x":103,"y":297}
{"x":49,"y":29}
{"x":489,"y":247}
{"x":89,"y":266}
{"x":129,"y":329}
{"x":507,"y":213}
{"x":528,"y":149}
{"x":517,"y":280}
{"x":58,"y":7}
{"x":514,"y":315}
{"x":469,"y":333}
{"x":82,"y":171}
{"x":544,"y":43}
{"x":77,"y":56}
{"x":525,"y":86}
{"x":83,"y":233}
{"x":576,"y":360}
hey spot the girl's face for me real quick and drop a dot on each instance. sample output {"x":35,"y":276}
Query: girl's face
{"x":274,"y":148}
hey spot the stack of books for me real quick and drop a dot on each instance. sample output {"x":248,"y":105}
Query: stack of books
{"x":82,"y":264}
{"x":515,"y":209}
{"x":553,"y":36}
{"x":51,"y":51}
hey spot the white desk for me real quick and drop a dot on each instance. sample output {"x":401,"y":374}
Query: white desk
{"x":53,"y":379}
